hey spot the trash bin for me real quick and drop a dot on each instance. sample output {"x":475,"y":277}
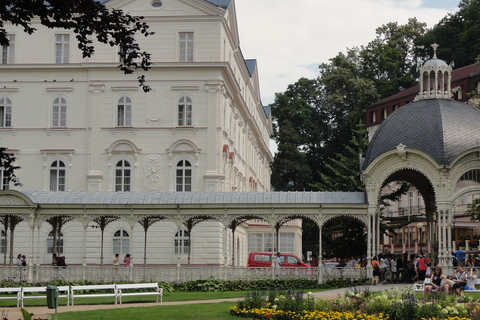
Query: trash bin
{"x":52,"y":297}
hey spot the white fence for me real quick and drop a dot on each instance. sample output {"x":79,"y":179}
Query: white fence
{"x":178,"y":274}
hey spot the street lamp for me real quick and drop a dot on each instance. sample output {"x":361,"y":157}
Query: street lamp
{"x":420,"y":226}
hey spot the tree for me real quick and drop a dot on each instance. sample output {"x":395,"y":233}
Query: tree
{"x":343,"y":170}
{"x":294,"y":113}
{"x":7,"y":161}
{"x":473,"y":210}
{"x":87,"y":19}
{"x":389,"y":60}
{"x":457,"y":35}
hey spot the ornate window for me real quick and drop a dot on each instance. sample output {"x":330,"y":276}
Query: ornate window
{"x":62,"y":48}
{"x":3,"y":242}
{"x":185,"y":111}
{"x":57,"y":176}
{"x":124,"y":112}
{"x":181,"y":242}
{"x":8,"y":52}
{"x":58,"y":245}
{"x":184,"y":176}
{"x":4,"y":181}
{"x":123,"y":174}
{"x":186,"y":46}
{"x":59,"y":112}
{"x":263,"y":242}
{"x":121,"y":242}
{"x":5,"y":112}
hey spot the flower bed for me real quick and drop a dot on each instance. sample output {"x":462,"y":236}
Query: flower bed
{"x":392,"y":304}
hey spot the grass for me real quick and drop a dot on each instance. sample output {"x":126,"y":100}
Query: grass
{"x":167,"y":297}
{"x":208,"y":311}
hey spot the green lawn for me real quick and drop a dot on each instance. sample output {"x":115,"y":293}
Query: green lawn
{"x":209,"y":311}
{"x":167,"y":296}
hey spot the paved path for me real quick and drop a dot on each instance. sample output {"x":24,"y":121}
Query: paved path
{"x":44,"y":312}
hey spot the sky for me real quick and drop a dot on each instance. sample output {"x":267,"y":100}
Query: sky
{"x":290,"y":39}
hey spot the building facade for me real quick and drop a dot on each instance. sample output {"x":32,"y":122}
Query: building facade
{"x":80,"y":124}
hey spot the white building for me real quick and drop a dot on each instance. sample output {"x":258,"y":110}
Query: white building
{"x":80,"y":124}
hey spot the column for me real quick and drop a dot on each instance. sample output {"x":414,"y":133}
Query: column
{"x":225,"y":254}
{"x":84,"y":262}
{"x":37,"y":261}
{"x":320,"y":257}
{"x":94,"y":176}
{"x":30,"y":253}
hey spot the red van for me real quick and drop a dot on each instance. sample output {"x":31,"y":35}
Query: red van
{"x":264,"y":259}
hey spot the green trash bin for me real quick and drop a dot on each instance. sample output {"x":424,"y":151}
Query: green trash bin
{"x":52,"y":297}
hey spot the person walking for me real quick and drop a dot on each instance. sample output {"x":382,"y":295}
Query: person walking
{"x":376,"y":271}
{"x":127,"y":261}
{"x":277,"y":260}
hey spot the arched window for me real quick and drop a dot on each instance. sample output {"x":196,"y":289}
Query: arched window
{"x":58,"y":245}
{"x":123,"y":174}
{"x":185,"y":111}
{"x":124,"y":112}
{"x":57,"y":176}
{"x":469,"y":178}
{"x":121,"y":242}
{"x":5,"y":112}
{"x":184,"y":176}
{"x":59,"y":114}
{"x":181,"y":242}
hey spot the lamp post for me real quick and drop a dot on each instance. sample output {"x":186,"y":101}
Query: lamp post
{"x":420,"y":226}
{"x":409,"y":235}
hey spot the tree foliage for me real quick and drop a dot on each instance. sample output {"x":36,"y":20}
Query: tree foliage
{"x":457,"y":34}
{"x":473,"y":210}
{"x":7,"y":161}
{"x":89,"y":20}
{"x":390,"y":60}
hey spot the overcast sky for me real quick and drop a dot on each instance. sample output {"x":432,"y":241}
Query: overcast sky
{"x":290,"y":39}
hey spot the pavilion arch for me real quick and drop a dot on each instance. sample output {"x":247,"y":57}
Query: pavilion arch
{"x":379,"y":172}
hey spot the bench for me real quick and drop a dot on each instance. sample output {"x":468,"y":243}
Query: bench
{"x":156,"y":290}
{"x":418,"y":287}
{"x":43,"y":291}
{"x":110,"y":288}
{"x":17,"y":290}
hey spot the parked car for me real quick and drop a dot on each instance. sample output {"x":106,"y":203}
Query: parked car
{"x":264,"y":259}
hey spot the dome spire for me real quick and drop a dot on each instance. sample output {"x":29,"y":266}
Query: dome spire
{"x":434,"y":46}
{"x":435,"y":78}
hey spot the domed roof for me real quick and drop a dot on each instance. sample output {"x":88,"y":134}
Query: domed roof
{"x":435,"y":63}
{"x":441,"y":128}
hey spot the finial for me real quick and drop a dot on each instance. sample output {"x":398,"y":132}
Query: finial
{"x":434,"y":46}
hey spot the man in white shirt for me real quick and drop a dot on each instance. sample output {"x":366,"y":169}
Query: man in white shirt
{"x":277,"y":261}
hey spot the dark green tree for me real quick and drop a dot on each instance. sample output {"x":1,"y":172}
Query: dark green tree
{"x":296,"y":131}
{"x":389,"y":60}
{"x":343,"y":238}
{"x":343,"y":170}
{"x":457,"y":34}
{"x":87,"y":19}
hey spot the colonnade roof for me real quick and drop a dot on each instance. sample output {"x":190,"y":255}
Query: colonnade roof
{"x":179,"y":198}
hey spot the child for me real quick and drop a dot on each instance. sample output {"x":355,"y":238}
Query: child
{"x":471,"y":279}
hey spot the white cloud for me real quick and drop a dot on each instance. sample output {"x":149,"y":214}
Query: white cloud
{"x":290,"y":39}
